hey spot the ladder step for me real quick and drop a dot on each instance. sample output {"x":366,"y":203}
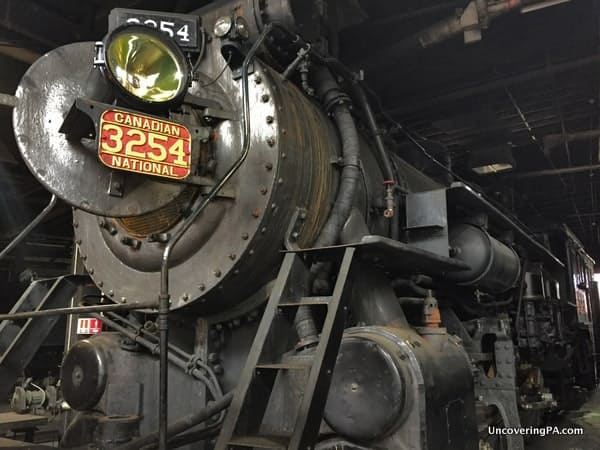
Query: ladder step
{"x":284,"y":366}
{"x":260,"y":441}
{"x":306,"y":301}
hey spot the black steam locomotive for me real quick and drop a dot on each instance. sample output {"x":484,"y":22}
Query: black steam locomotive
{"x":270,"y":273}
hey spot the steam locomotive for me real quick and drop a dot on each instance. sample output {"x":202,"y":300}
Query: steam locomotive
{"x":280,"y":276}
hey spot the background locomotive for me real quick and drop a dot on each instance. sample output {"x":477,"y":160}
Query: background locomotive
{"x":404,"y":312}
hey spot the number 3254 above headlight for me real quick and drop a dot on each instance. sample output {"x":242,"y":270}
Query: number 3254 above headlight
{"x":146,"y":67}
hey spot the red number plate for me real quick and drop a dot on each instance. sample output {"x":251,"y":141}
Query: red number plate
{"x":89,"y":326}
{"x":144,"y":144}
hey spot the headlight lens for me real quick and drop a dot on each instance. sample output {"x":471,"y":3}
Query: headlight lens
{"x":146,"y":64}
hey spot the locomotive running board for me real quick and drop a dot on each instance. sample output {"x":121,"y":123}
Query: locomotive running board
{"x":269,"y":362}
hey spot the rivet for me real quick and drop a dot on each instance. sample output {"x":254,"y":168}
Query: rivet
{"x":265,"y":98}
{"x":273,"y":206}
{"x":111,"y":293}
{"x":78,"y":241}
{"x":257,"y":79}
{"x":217,"y":273}
{"x":264,"y":191}
{"x":100,"y":283}
{"x":283,"y":155}
{"x":185,"y":297}
{"x":251,"y":252}
{"x":256,"y":213}
{"x":280,"y":181}
{"x":201,"y":286}
{"x":91,"y":270}
{"x":270,"y":119}
{"x":245,"y":236}
{"x":269,"y":166}
{"x":232,"y":256}
{"x":263,"y":230}
{"x":131,"y":242}
{"x":283,"y":131}
{"x":76,"y":224}
{"x":236,"y":272}
{"x":84,"y":257}
{"x":271,"y":141}
{"x":123,"y":299}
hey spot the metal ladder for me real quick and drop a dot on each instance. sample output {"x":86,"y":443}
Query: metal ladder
{"x":19,"y":341}
{"x":242,"y":424}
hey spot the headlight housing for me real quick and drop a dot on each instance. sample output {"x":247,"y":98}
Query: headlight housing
{"x":146,"y":66}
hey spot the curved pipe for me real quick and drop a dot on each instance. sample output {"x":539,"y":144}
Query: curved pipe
{"x":373,"y":300}
{"x":382,"y":156}
{"x":163,"y":298}
{"x":182,"y":424}
{"x":337,"y":103}
{"x":401,"y":282}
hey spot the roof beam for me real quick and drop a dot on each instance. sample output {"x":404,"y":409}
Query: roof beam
{"x":16,"y":15}
{"x":502,"y":83}
{"x":550,"y":172}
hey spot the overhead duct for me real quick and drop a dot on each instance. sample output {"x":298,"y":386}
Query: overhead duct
{"x":469,"y":21}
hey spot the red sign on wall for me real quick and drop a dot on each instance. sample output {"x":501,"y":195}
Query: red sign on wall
{"x":144,"y":144}
{"x":89,"y":326}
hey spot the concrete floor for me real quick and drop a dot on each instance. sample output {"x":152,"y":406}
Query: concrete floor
{"x":587,"y":417}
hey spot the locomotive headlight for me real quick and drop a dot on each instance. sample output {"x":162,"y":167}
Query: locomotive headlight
{"x":146,"y":65}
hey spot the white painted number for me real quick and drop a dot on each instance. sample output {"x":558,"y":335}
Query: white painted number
{"x":167,"y":27}
{"x":183,"y":34}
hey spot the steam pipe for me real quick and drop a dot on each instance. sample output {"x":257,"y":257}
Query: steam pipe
{"x":153,"y":347}
{"x":373,"y":300}
{"x":182,"y":424}
{"x":336,"y":102}
{"x":389,"y":179}
{"x":34,"y":223}
{"x":164,"y":297}
{"x":400,"y":282}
